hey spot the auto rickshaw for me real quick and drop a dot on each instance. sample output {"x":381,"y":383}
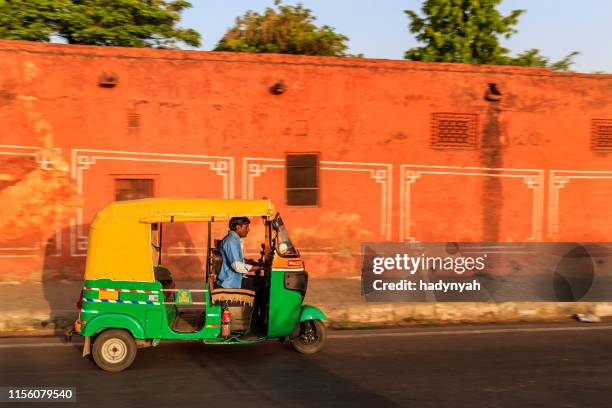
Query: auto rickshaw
{"x":130,"y":300}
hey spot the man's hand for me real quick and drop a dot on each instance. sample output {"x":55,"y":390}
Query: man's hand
{"x":256,"y":270}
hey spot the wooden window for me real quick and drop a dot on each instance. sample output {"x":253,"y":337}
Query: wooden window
{"x":302,"y":179}
{"x":454,"y":130}
{"x":601,"y":134}
{"x":133,"y":189}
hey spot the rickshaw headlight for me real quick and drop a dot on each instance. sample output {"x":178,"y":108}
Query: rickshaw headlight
{"x":282,"y":248}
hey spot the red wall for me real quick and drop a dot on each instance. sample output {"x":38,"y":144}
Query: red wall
{"x":205,"y":124}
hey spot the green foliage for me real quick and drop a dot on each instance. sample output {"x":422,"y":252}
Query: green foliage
{"x":30,"y":20}
{"x":461,"y":31}
{"x":532,"y":58}
{"x":128,"y":23}
{"x":285,"y":30}
{"x":468,"y":31}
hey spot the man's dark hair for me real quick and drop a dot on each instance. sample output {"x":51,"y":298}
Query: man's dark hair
{"x":236,"y":221}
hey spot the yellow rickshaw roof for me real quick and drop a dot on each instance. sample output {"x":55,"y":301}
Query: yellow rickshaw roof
{"x":120,"y":235}
{"x":151,"y":210}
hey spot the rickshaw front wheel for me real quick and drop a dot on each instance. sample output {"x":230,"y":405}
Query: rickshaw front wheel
{"x":114,"y":350}
{"x":311,"y":337}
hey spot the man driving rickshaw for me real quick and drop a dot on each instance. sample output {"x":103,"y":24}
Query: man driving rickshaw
{"x":234,"y":268}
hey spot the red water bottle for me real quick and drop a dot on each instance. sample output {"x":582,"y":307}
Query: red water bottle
{"x":225,"y":323}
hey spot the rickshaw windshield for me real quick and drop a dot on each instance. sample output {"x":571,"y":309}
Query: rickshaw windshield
{"x":284,"y":247}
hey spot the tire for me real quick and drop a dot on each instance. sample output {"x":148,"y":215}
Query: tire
{"x":311,"y":337}
{"x":114,"y":350}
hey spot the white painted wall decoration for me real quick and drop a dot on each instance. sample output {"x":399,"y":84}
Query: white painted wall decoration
{"x":558,"y":179}
{"x":411,"y":173}
{"x":45,"y":163}
{"x":83,"y":159}
{"x":253,"y":167}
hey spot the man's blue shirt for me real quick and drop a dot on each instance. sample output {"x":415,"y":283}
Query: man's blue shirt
{"x":231,"y":252}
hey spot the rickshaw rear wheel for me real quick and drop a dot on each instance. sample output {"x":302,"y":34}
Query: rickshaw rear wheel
{"x":311,"y":337}
{"x":114,"y":350}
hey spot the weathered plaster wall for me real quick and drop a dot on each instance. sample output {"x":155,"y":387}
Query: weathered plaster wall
{"x":205,"y":124}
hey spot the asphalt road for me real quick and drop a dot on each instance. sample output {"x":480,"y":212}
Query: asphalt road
{"x":460,"y":366}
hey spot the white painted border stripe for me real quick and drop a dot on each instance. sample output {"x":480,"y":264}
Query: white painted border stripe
{"x":122,"y":302}
{"x":122,"y":290}
{"x":410,"y":173}
{"x":44,"y":163}
{"x":83,"y":159}
{"x":558,"y":179}
{"x":381,"y":173}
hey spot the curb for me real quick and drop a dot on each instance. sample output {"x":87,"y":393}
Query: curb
{"x":366,"y":315}
{"x":407,"y":314}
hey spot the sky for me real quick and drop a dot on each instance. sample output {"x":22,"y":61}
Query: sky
{"x":379,"y":28}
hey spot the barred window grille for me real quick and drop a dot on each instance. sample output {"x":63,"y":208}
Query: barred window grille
{"x":302,"y":179}
{"x":133,"y":189}
{"x":601,"y":134}
{"x":454,"y":130}
{"x":133,"y":121}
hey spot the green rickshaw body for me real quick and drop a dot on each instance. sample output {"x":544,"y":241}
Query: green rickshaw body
{"x":285,"y":306}
{"x":139,"y":308}
{"x":122,"y":292}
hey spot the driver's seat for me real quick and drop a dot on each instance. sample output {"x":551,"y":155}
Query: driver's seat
{"x":223,"y":295}
{"x":218,"y":295}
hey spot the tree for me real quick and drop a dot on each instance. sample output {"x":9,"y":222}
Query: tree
{"x":285,"y":30}
{"x":468,"y":31}
{"x":128,"y":23}
{"x":532,"y":58}
{"x":27,"y":20}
